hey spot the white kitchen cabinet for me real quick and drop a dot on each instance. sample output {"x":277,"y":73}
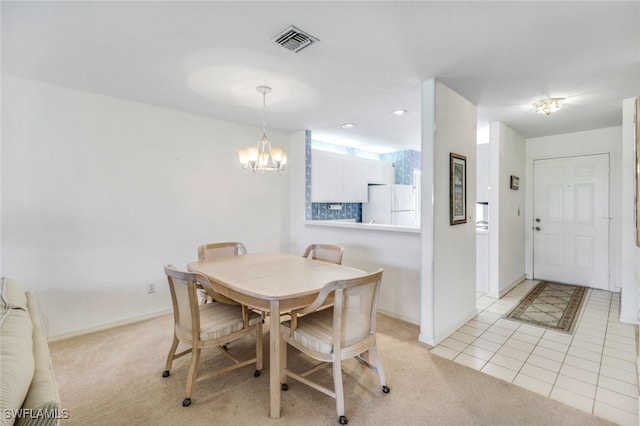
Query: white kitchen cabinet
{"x":345,"y":179}
{"x":355,"y":181}
{"x":379,"y":172}
{"x":327,"y":177}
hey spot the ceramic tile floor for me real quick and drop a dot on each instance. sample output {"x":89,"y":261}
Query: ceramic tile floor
{"x":593,"y":370}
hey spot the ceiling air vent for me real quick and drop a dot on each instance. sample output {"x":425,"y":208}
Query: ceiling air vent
{"x":294,"y":39}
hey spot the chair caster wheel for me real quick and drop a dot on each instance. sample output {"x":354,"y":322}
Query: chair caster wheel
{"x":256,"y":373}
{"x":343,"y":420}
{"x":284,"y":387}
{"x":386,"y":389}
{"x":166,"y":373}
{"x":186,"y":402}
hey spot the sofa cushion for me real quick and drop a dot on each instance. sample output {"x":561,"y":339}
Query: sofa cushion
{"x":11,"y":295}
{"x":42,"y":397}
{"x":16,"y":358}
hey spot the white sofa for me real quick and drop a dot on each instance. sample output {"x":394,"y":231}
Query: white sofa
{"x":28,"y":393}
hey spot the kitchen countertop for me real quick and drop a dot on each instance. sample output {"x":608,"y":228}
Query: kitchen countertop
{"x":363,"y":226}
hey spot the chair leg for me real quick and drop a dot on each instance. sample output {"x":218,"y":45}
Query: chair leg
{"x":172,"y":352}
{"x":376,"y":359}
{"x":283,"y":365}
{"x":258,"y":349}
{"x":339,"y":389}
{"x":191,"y":378}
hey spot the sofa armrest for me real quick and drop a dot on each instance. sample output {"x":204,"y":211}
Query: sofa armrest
{"x":16,"y":350}
{"x":42,"y":398}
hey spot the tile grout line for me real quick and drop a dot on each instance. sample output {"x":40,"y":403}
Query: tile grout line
{"x":606,"y":329}
{"x":483,"y":331}
{"x":524,"y":362}
{"x":586,"y":307}
{"x":593,"y":313}
{"x":502,"y":345}
{"x":566,"y":352}
{"x":611,"y":301}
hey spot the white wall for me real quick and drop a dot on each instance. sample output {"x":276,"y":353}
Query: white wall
{"x":630,"y":253}
{"x":483,"y":176}
{"x":98,"y":193}
{"x":449,"y":251}
{"x":397,"y":253}
{"x":427,"y":220}
{"x":1,"y":181}
{"x":506,"y":210}
{"x":600,"y":141}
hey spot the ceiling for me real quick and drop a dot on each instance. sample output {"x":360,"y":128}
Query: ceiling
{"x":208,"y":58}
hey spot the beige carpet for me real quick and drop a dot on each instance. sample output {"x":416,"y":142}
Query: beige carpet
{"x":114,"y":378}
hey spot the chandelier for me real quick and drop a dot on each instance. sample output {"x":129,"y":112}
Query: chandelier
{"x":548,"y":105}
{"x":262,"y":157}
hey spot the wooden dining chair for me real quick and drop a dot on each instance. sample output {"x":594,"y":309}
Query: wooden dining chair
{"x":330,"y":335}
{"x":231,"y":248}
{"x":207,"y":326}
{"x":213,"y":250}
{"x":326,"y":252}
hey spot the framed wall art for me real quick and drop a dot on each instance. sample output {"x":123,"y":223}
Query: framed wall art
{"x":458,"y":189}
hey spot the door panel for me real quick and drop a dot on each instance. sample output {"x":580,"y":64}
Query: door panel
{"x":584,"y":205}
{"x":555,"y":203}
{"x":571,"y":220}
{"x":584,"y":252}
{"x":554,"y":251}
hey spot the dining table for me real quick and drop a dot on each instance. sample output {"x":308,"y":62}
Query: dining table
{"x":275,"y":283}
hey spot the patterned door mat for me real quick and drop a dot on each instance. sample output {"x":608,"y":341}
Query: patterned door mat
{"x":550,"y":305}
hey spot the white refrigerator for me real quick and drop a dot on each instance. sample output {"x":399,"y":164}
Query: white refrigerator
{"x":391,"y":204}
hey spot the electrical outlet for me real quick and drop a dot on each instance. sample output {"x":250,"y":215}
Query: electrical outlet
{"x":151,"y":288}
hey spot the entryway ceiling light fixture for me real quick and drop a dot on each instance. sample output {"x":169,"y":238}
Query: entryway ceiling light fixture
{"x":548,"y":105}
{"x":263,"y":158}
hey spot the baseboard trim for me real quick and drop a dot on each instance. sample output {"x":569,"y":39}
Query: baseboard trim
{"x":435,"y":340}
{"x":628,"y":320}
{"x":508,"y":288}
{"x":106,"y":325}
{"x":399,"y":317}
{"x":426,"y":340}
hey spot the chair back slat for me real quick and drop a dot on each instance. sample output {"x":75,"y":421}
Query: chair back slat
{"x":357,"y":308}
{"x":209,"y":251}
{"x":325,"y":252}
{"x":183,"y":295}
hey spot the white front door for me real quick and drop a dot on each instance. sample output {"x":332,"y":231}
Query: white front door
{"x":571,"y":220}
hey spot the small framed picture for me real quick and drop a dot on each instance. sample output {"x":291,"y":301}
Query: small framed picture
{"x":515,"y":182}
{"x":458,"y":189}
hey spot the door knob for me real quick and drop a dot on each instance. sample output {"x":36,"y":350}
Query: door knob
{"x":537,"y":228}
{"x":538,"y":219}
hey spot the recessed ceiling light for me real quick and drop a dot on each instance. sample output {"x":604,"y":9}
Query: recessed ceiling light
{"x":399,"y":112}
{"x":348,"y":125}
